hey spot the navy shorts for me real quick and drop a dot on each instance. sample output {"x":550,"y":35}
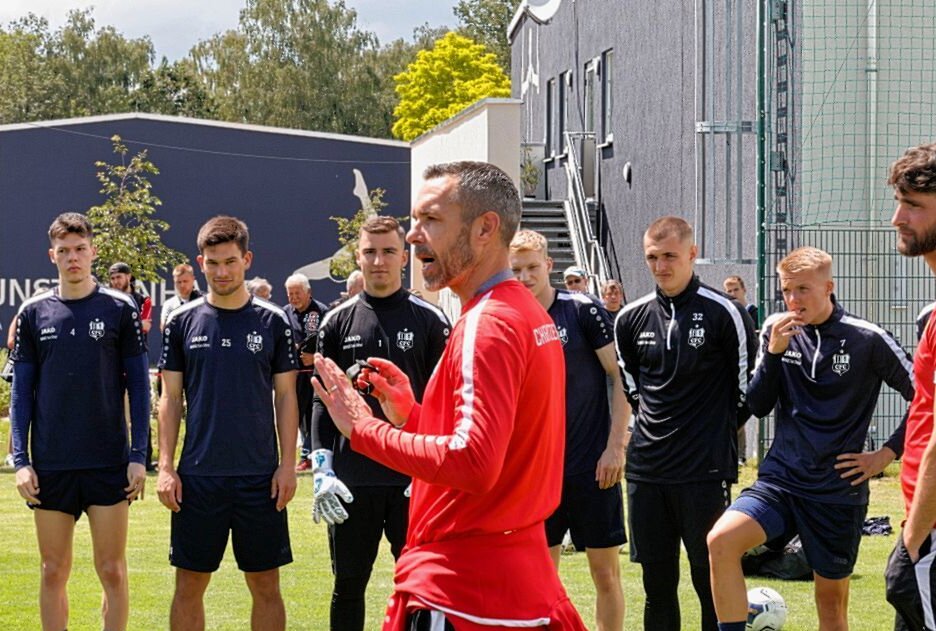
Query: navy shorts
{"x":74,"y":491}
{"x":214,"y":506}
{"x":830,"y":533}
{"x":594,"y":516}
{"x":660,"y":515}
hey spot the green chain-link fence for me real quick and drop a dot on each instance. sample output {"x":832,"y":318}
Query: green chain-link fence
{"x":848,"y":85}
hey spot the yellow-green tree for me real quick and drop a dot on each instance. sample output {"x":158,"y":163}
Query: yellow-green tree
{"x":455,"y":73}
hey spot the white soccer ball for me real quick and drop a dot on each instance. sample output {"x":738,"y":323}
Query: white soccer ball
{"x":767,"y":610}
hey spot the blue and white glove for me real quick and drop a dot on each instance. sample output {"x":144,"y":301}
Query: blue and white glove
{"x":327,"y":489}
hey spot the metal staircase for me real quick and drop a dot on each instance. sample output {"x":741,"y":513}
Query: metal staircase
{"x":549,"y":219}
{"x":569,"y":225}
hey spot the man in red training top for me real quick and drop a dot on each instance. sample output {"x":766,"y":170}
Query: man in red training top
{"x":910,"y":576}
{"x":485,"y":448}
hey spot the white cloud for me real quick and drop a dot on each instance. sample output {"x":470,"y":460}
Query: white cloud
{"x":175,"y":25}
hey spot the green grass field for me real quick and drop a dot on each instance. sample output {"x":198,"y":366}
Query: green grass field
{"x":307,"y":582}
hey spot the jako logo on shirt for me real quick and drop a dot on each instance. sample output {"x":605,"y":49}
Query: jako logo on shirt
{"x":545,"y":334}
{"x":96,"y":329}
{"x":254,"y":342}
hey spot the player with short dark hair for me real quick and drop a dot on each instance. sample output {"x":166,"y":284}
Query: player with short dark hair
{"x":685,"y":351}
{"x":228,"y":352}
{"x":386,"y":321}
{"x":74,"y":344}
{"x":820,"y":370}
{"x":911,"y":572}
{"x":485,"y":446}
{"x":592,"y":506}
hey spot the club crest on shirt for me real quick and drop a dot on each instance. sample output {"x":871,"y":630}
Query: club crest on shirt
{"x":841,"y":362}
{"x":696,"y":337}
{"x":404,"y":339}
{"x":563,"y":335}
{"x":254,"y":342}
{"x":96,"y":329}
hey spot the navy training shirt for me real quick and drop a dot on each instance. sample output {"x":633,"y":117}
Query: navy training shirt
{"x":228,"y":359}
{"x":823,"y":390}
{"x":584,"y":326}
{"x":78,"y":348}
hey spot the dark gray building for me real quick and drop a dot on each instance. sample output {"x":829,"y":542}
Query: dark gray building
{"x":652,"y":104}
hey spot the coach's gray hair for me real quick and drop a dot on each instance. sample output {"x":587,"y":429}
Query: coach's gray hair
{"x":482,"y":187}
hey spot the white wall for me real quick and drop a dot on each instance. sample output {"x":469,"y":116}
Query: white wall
{"x":488,"y":131}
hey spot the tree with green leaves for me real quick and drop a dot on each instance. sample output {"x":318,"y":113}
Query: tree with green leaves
{"x":296,"y":63}
{"x":173,"y":89}
{"x":486,"y":22}
{"x":455,"y":73}
{"x":125,"y":228}
{"x":349,"y":230}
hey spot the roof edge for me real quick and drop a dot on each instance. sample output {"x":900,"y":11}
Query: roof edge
{"x":471,"y":109}
{"x":541,"y":14}
{"x":267,"y":129}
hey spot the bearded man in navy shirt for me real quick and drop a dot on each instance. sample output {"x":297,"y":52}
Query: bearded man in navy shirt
{"x":227,"y":352}
{"x":73,"y":346}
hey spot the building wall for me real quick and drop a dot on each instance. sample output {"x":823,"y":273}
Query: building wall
{"x":653,"y":123}
{"x":488,"y":131}
{"x":284,"y":184}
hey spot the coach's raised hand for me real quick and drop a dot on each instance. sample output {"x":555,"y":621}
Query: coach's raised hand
{"x":392,"y":388}
{"x":345,"y":405}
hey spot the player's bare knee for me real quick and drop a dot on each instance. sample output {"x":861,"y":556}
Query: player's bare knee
{"x":264,"y":586}
{"x":722,"y":544}
{"x":55,"y":572}
{"x":112,"y":572}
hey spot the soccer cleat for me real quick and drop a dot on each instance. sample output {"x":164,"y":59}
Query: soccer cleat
{"x":305,"y":465}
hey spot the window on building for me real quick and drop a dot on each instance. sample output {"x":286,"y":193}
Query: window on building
{"x":607,"y":94}
{"x":562,"y":114}
{"x":550,"y":116}
{"x":591,"y":94}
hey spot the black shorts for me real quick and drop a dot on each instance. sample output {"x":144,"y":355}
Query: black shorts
{"x":375,"y":511}
{"x":911,"y":587}
{"x":74,"y":491}
{"x":660,"y":515}
{"x":426,"y":620}
{"x":594,"y":516}
{"x":831,"y":533}
{"x":214,"y":506}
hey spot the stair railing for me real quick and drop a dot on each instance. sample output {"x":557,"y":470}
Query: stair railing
{"x":586,"y":247}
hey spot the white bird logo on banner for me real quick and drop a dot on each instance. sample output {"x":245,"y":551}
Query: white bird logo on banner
{"x":320,"y":269}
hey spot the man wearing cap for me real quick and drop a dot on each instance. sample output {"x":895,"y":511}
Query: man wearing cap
{"x":592,"y":506}
{"x":575,"y":278}
{"x":121,"y":279}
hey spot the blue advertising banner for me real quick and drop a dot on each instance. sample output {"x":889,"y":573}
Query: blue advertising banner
{"x":284,"y":184}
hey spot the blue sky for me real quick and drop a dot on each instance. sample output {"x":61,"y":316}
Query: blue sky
{"x":174,"y":25}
